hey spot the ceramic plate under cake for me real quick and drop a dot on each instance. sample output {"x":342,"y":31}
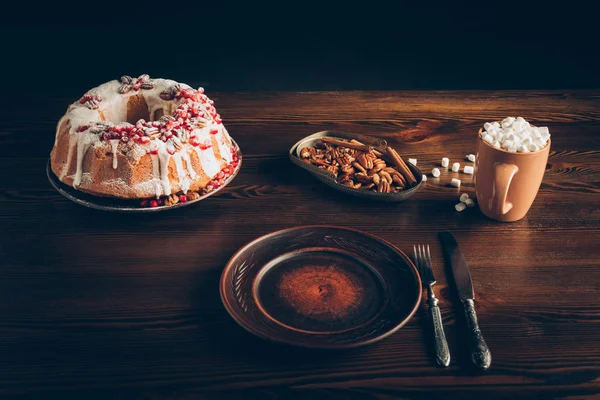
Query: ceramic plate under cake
{"x":127,"y":206}
{"x":320,"y":287}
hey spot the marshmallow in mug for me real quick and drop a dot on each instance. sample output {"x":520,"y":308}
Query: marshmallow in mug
{"x":515,"y":135}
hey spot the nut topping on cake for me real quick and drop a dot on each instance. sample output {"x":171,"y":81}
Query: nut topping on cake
{"x":129,"y":83}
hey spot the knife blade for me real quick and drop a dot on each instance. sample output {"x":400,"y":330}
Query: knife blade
{"x":480,"y":353}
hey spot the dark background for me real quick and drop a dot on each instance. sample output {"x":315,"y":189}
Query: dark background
{"x":301,"y":46}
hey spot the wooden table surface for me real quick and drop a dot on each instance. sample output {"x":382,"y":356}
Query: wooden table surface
{"x":95,"y":304}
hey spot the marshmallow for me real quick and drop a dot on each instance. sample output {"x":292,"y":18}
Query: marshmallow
{"x":460,"y":206}
{"x":518,"y":126}
{"x":532,"y":147}
{"x":468,"y":170}
{"x":445,"y":162}
{"x":538,"y":142}
{"x":424,"y":178}
{"x":413,"y":161}
{"x":455,"y":167}
{"x":455,"y":182}
{"x":515,"y":135}
{"x":471,"y":157}
{"x":470,"y":203}
{"x":464,"y":197}
{"x":507,"y":122}
{"x":435,"y":172}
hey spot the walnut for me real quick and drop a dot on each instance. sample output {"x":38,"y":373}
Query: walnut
{"x":171,"y":200}
{"x":192,"y":196}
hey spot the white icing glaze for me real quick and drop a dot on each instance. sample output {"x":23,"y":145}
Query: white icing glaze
{"x":163,"y":158}
{"x":156,"y":183}
{"x":184,"y":182}
{"x":224,"y":149}
{"x":59,"y":125}
{"x":208,"y":160}
{"x":188,"y":162}
{"x":84,"y":141}
{"x":72,"y":145}
{"x":114,"y":143}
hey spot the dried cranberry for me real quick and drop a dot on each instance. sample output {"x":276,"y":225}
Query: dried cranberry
{"x":182,"y":198}
{"x":153,"y":203}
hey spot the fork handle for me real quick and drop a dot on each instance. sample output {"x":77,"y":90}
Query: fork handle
{"x":442,"y":353}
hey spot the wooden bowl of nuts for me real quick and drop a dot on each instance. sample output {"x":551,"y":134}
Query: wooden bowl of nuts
{"x":358,"y":165}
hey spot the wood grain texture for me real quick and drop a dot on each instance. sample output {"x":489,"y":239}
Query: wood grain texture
{"x":94,"y":304}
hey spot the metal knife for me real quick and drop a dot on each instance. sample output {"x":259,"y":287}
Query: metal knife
{"x":480,"y":353}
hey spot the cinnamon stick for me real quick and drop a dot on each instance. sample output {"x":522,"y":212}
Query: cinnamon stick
{"x":349,"y":145}
{"x":400,"y":165}
{"x":376,"y":152}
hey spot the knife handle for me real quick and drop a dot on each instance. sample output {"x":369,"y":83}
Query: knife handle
{"x":442,"y":353}
{"x":480,"y":353}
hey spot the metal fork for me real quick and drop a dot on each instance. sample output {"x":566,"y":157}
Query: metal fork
{"x":423,"y":263}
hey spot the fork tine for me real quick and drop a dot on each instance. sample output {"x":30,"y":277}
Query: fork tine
{"x":416,"y":257}
{"x":429,"y":264}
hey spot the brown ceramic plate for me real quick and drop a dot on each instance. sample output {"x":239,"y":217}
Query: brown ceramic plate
{"x":126,"y":206}
{"x":320,"y":287}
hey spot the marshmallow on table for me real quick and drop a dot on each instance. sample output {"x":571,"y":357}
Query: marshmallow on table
{"x":424,"y":178}
{"x":464,"y":197}
{"x":455,"y":182}
{"x":413,"y":161}
{"x":470,"y":203}
{"x":460,"y":206}
{"x":471,"y":157}
{"x":455,"y":167}
{"x":468,"y":170}
{"x":435,"y":172}
{"x":445,"y":162}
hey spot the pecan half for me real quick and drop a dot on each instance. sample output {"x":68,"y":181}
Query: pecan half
{"x":359,"y":167}
{"x":364,"y":178}
{"x":365,"y":161}
{"x":386,"y":176}
{"x":384,"y":187}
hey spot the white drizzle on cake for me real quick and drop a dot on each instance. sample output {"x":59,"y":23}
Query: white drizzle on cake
{"x":189,"y":121}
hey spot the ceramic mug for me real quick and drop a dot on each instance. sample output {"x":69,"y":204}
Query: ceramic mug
{"x":506,"y":183}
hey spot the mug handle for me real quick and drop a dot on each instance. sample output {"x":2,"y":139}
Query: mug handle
{"x":503,"y":174}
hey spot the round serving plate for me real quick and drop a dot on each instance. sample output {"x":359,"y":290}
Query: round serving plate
{"x":320,"y":287}
{"x":127,"y":206}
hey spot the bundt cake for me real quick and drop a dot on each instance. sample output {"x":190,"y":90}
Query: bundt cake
{"x":140,"y":138}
